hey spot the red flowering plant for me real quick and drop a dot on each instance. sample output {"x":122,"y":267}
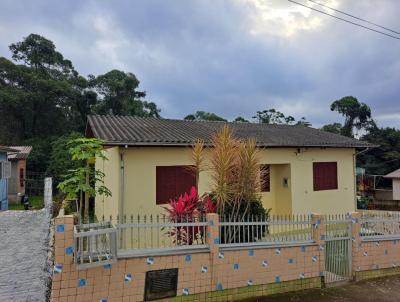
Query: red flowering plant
{"x":187,"y":209}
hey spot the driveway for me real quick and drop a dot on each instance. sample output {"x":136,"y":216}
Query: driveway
{"x":24,"y":246}
{"x":376,"y":290}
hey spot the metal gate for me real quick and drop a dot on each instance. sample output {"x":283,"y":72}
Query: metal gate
{"x":338,"y":249}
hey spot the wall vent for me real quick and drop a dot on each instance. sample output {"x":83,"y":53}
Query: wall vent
{"x":161,"y":284}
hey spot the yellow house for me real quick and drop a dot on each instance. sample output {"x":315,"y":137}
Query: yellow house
{"x":309,"y":170}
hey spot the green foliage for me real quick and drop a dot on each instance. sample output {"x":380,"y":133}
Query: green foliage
{"x":240,"y":119}
{"x":43,"y":98}
{"x":60,"y":158}
{"x":204,"y":116}
{"x":85,"y":179}
{"x":303,"y":122}
{"x":120,"y":95}
{"x":272,"y":116}
{"x":333,"y":128}
{"x":385,"y":158}
{"x":357,"y":115}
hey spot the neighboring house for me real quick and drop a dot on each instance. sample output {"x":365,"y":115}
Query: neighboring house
{"x":395,"y":177}
{"x":17,"y":182}
{"x":310,"y":170}
{"x":5,"y":174}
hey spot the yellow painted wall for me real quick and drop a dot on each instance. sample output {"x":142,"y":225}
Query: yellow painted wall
{"x":297,"y":198}
{"x":108,"y":206}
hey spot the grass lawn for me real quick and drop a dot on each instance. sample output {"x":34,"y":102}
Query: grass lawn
{"x":35,"y":201}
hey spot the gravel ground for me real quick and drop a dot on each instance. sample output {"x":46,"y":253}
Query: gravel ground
{"x":24,"y":247}
{"x":376,"y":290}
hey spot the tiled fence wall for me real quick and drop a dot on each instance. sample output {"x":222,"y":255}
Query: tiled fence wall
{"x":217,"y":275}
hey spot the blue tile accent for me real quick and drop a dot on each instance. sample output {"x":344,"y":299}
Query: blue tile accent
{"x":107,"y":266}
{"x":60,"y":228}
{"x":264,"y":263}
{"x":365,"y":254}
{"x":322,"y":237}
{"x":219,"y":286}
{"x":251,"y":253}
{"x":249,"y":282}
{"x":277,"y":279}
{"x":318,"y":221}
{"x":128,"y":278}
{"x":103,"y":300}
{"x":278,"y":251}
{"x":185,"y":291}
{"x":301,"y":276}
{"x":204,"y":269}
{"x":321,"y":274}
{"x":69,"y":250}
{"x":57,"y":268}
{"x":211,"y":222}
{"x":221,"y":255}
{"x":314,"y":258}
{"x":188,"y":258}
{"x":303,"y":248}
{"x":150,"y":260}
{"x":236,"y":266}
{"x":290,"y":261}
{"x":216,"y":240}
{"x":81,"y":282}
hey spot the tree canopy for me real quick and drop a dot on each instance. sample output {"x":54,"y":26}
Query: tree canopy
{"x":357,"y":115}
{"x":204,"y":116}
{"x":43,"y":97}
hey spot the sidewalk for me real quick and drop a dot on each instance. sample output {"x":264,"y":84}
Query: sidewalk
{"x":376,"y":290}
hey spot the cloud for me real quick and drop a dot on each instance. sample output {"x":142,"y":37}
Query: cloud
{"x":228,"y":57}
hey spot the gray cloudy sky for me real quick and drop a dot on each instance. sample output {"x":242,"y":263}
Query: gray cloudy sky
{"x":231,"y":57}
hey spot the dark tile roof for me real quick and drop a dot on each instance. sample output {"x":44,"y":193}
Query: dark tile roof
{"x":129,"y":130}
{"x":22,"y":152}
{"x":7,"y":149}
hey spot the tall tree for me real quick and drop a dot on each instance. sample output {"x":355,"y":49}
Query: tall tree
{"x":204,"y":116}
{"x":120,"y":95}
{"x":357,"y":115}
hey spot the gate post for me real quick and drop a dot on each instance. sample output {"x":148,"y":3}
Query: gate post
{"x":213,"y":241}
{"x":319,"y":237}
{"x":356,"y":239}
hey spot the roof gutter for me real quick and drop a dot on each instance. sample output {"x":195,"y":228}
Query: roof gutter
{"x":160,"y":144}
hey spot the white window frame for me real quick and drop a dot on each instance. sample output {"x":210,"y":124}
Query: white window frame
{"x":5,"y":169}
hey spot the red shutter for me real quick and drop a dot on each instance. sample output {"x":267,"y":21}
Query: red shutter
{"x":325,"y":176}
{"x":265,"y":178}
{"x":172,"y":181}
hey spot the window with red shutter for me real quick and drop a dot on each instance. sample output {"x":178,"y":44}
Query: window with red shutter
{"x":172,"y":181}
{"x":265,"y":178}
{"x":325,"y":176}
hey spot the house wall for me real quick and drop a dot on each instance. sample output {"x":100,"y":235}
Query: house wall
{"x":396,"y":188}
{"x":109,"y":206}
{"x":3,"y":186}
{"x":14,"y":184}
{"x":299,"y":197}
